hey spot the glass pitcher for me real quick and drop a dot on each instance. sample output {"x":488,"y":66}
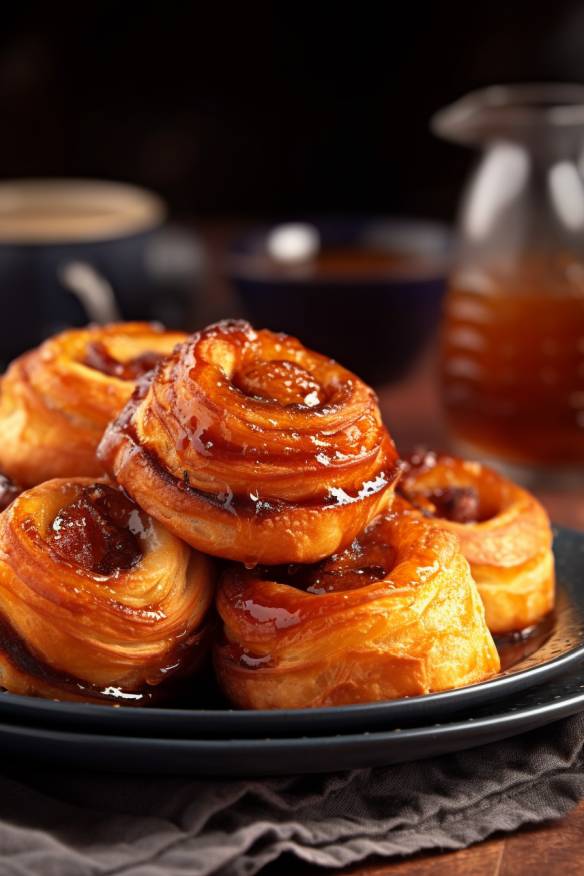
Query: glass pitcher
{"x":512,"y":359}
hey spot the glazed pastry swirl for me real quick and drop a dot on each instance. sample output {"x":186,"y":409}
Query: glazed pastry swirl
{"x":503,"y":530}
{"x":396,"y":614}
{"x":251,"y":447}
{"x":56,"y":401}
{"x":97,"y":602}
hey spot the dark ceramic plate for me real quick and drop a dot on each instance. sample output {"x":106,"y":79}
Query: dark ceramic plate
{"x":261,"y":757}
{"x":562,"y":649}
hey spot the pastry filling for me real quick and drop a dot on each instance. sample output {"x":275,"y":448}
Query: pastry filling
{"x":357,"y":566}
{"x":97,"y":531}
{"x":100,"y":359}
{"x":457,"y":504}
{"x":8,"y":492}
{"x":281,"y":381}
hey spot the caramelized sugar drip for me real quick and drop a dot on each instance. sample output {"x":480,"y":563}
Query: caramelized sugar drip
{"x":98,"y":357}
{"x":8,"y":492}
{"x":357,"y":566}
{"x":282,"y":381}
{"x":94,"y":531}
{"x":515,"y":647}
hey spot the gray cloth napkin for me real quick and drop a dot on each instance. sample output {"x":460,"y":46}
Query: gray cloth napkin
{"x":56,"y":823}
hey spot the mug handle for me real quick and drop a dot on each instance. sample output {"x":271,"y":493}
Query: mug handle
{"x":92,"y":290}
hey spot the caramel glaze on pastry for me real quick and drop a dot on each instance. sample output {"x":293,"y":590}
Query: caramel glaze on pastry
{"x":98,"y":602}
{"x":396,"y":614}
{"x":56,"y":400}
{"x":251,"y":447}
{"x":504,"y":533}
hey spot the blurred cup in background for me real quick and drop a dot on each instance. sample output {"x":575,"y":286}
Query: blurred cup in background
{"x":74,"y":251}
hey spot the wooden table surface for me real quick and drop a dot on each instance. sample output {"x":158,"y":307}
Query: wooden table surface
{"x":554,"y":849}
{"x":413,"y":414}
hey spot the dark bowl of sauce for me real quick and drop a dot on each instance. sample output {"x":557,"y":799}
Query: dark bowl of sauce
{"x":367,"y":292}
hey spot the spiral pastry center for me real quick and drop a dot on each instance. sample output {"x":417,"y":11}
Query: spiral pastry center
{"x":282,"y":381}
{"x":98,"y":531}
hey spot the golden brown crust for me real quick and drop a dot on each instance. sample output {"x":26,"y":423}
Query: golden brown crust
{"x":397,"y":614}
{"x":509,"y":546}
{"x":251,"y":447}
{"x":54,"y":406}
{"x":69,"y":633}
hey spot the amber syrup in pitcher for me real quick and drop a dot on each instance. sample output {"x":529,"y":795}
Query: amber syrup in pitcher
{"x":513,"y":362}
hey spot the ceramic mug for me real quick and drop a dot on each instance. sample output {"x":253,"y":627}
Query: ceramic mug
{"x":74,"y":251}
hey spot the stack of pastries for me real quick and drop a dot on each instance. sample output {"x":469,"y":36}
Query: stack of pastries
{"x":232,"y":494}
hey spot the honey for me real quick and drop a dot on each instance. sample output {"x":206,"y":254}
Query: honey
{"x":513,"y":362}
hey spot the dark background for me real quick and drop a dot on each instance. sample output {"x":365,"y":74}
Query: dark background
{"x":282,"y":109}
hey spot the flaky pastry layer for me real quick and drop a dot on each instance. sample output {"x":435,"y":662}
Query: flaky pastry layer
{"x":70,"y":633}
{"x":508,"y":546}
{"x":251,"y":447}
{"x":54,"y":405}
{"x":395,"y":615}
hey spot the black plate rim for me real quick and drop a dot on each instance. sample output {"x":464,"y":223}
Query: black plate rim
{"x":262,"y":757}
{"x":554,"y":710}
